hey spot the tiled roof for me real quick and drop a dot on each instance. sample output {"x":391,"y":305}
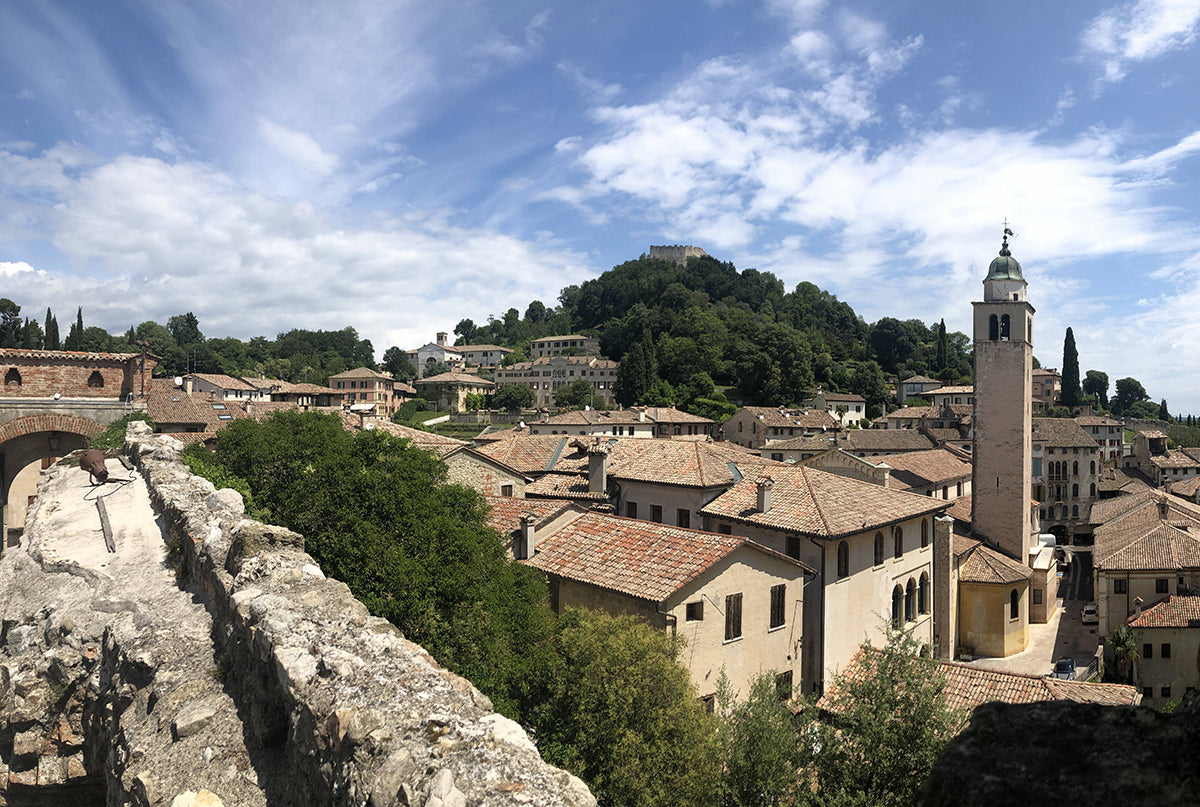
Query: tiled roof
{"x":560,"y":338}
{"x":920,"y":468}
{"x":362,"y":372}
{"x":1096,"y":420}
{"x":817,"y":442}
{"x":167,"y":404}
{"x":945,"y":435}
{"x":455,"y":378}
{"x":986,"y":565}
{"x":482,"y":348}
{"x":842,"y":397}
{"x":71,"y":355}
{"x":968,"y":686}
{"x":650,"y":415}
{"x":1115,"y":479}
{"x":1106,"y":510}
{"x":951,"y":390}
{"x":774,"y":417}
{"x":640,"y":559}
{"x":1061,"y":432}
{"x":400,"y":386}
{"x":1047,"y":371}
{"x":1176,"y":611}
{"x":1153,"y":434}
{"x":962,"y":544}
{"x":920,"y":379}
{"x":960,"y":509}
{"x":1186,"y":489}
{"x":869,"y":441}
{"x":1174,"y":458}
{"x":261,"y":409}
{"x":505,"y":512}
{"x":564,"y":486}
{"x":817,"y":503}
{"x":1161,"y":547}
{"x":304,"y":388}
{"x":225,"y":381}
{"x":558,"y":361}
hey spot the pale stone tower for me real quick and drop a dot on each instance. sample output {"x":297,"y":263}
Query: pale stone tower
{"x":1003,"y":401}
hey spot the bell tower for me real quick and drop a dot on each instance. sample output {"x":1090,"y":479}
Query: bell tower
{"x":1000,"y":483}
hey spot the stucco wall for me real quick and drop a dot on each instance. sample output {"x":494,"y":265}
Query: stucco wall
{"x":671,"y":498}
{"x":983,"y":619}
{"x":464,"y":469}
{"x":1180,"y":671}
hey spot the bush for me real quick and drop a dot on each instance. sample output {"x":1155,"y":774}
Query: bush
{"x":114,"y":435}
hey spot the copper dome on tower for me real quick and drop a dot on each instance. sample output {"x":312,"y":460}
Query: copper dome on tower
{"x":1004,"y":266}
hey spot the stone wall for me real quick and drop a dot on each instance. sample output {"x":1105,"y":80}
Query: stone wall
{"x":299,"y":696}
{"x":676,"y":253}
{"x":44,"y":373}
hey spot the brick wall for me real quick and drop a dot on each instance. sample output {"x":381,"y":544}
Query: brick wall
{"x":25,"y":374}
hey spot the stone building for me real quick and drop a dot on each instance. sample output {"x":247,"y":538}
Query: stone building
{"x":547,"y":374}
{"x":1065,"y":473}
{"x":569,"y":345}
{"x":754,"y":426}
{"x":677,"y":253}
{"x":364,"y":385}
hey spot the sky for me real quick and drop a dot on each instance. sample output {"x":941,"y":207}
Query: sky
{"x":399,"y":166}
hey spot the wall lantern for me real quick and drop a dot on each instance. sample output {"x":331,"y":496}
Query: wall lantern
{"x":54,"y":441}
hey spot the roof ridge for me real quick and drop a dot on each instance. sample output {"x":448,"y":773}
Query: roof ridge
{"x":804,"y":469}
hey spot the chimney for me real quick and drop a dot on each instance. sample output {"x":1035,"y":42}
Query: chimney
{"x":764,"y":493}
{"x":597,"y":468}
{"x":527,"y":543}
{"x":1163,"y":508}
{"x":441,"y":338}
{"x":1137,"y":607}
{"x":642,"y":416}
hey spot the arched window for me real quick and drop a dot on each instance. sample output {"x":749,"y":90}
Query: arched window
{"x":924,"y":532}
{"x":1093,"y":469}
{"x":95,"y":379}
{"x":1074,"y":511}
{"x":910,"y":601}
{"x":897,"y":541}
{"x":1075,"y":491}
{"x":1014,"y":605}
{"x":843,"y":560}
{"x":1005,"y":325}
{"x":1030,"y":340}
{"x":923,"y":594}
{"x":878,"y":548}
{"x":993,"y":328}
{"x":1075,"y":468}
{"x":12,"y":378}
{"x":897,"y":607}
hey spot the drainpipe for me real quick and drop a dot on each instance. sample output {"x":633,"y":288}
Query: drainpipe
{"x":821,"y":620}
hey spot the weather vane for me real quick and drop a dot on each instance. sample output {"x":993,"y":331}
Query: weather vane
{"x":1007,"y":232}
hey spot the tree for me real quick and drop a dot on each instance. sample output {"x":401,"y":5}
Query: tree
{"x":397,"y":364}
{"x":75,"y":335}
{"x":10,"y":323}
{"x":512,"y":397}
{"x":435,"y":368}
{"x":51,"y":329}
{"x":1125,"y":652}
{"x":185,"y":329}
{"x":621,"y":713}
{"x":536,"y":312}
{"x":943,"y":345}
{"x":890,"y":723}
{"x":1071,"y":395}
{"x":467,"y":330}
{"x":474,"y":401}
{"x":637,"y":373}
{"x":867,"y":380}
{"x":761,"y":747}
{"x":576,"y":395}
{"x":1163,"y":412}
{"x":1096,"y":385}
{"x":1129,"y":392}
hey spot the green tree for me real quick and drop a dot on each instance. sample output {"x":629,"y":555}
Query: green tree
{"x":637,"y":373}
{"x":475,"y":401}
{"x":1071,"y":395}
{"x":1124,"y":643}
{"x":51,"y":329}
{"x":576,"y":395}
{"x":10,"y":323}
{"x":943,"y":347}
{"x":435,"y":368}
{"x":621,"y":713}
{"x":761,"y":748}
{"x":512,"y":397}
{"x":185,"y":329}
{"x":1129,"y":392}
{"x":867,"y":380}
{"x":467,"y":330}
{"x":396,"y":363}
{"x":1163,"y":412}
{"x":32,"y":335}
{"x":75,"y":335}
{"x":536,"y":313}
{"x":890,"y":723}
{"x":1096,"y":385}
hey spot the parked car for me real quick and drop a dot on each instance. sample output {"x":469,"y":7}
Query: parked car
{"x":1064,"y":668}
{"x":1091,"y":614}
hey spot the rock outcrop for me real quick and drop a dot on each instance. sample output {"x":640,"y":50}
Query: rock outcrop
{"x":210,"y":661}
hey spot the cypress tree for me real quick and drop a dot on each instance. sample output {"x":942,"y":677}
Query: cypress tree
{"x":1072,"y":394}
{"x":942,"y":345}
{"x":1163,"y":412}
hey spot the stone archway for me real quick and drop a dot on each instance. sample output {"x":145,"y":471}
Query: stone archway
{"x":27,"y":446}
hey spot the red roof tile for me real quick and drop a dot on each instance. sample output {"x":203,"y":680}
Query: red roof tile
{"x":1176,"y":611}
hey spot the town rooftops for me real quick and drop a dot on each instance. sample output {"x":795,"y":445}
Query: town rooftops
{"x":987,"y":566}
{"x":920,"y":379}
{"x":505,"y":512}
{"x":952,"y":390}
{"x":652,"y":414}
{"x":361,"y":372}
{"x":1061,"y":432}
{"x":919,"y":468}
{"x":841,"y":397}
{"x":639,"y":559}
{"x":1096,"y":420}
{"x":775,"y":417}
{"x":874,"y":441}
{"x":1162,"y":546}
{"x":820,"y":504}
{"x":223,"y":381}
{"x":453,"y":377}
{"x":968,"y":686}
{"x":564,"y":486}
{"x":1176,"y":611}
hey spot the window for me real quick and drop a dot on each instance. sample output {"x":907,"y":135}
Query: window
{"x":695,"y":611}
{"x":95,"y":379}
{"x":724,"y":529}
{"x":925,"y":531}
{"x":1165,"y":692}
{"x":993,"y":328}
{"x":1118,"y":587}
{"x":1160,"y":585}
{"x":843,"y":560}
{"x":1037,"y":596}
{"x":1014,"y":604}
{"x":733,"y":617}
{"x":1147,"y":651}
{"x":792,"y":546}
{"x":910,"y":601}
{"x":683,"y":517}
{"x":506,"y":490}
{"x":1005,"y":325}
{"x":777,"y":457}
{"x":1147,"y":692}
{"x":778,"y":594}
{"x":656,"y":513}
{"x":923,"y":594}
{"x":1164,"y":650}
{"x":631,"y":509}
{"x":878,"y":548}
{"x":897,"y":607}
{"x":897,"y":541}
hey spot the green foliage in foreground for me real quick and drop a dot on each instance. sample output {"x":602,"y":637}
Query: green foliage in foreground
{"x":114,"y":435}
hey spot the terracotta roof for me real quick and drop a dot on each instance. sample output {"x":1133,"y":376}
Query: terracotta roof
{"x":968,"y":686}
{"x":1153,"y":434}
{"x":1176,"y":611}
{"x":960,"y":509}
{"x":1161,"y":547}
{"x":774,"y":417}
{"x":1096,"y":420}
{"x":455,"y":378}
{"x":816,"y":442}
{"x":167,"y":404}
{"x":986,"y":565}
{"x":920,"y":379}
{"x":946,"y":435}
{"x":870,"y":441}
{"x":303,"y":388}
{"x":1047,"y":371}
{"x":1174,"y":458}
{"x":813,"y":502}
{"x":640,"y":559}
{"x":559,"y":338}
{"x":564,"y":486}
{"x":558,"y":361}
{"x":1058,"y":432}
{"x":1116,"y":479}
{"x":951,"y":390}
{"x":428,"y":441}
{"x":846,"y":397}
{"x":921,"y":468}
{"x":261,"y":409}
{"x":480,"y":348}
{"x":652,"y":415}
{"x":224,"y":381}
{"x":361,"y":372}
{"x":962,"y":544}
{"x":400,"y":386}
{"x":1186,"y":489}
{"x":505,"y":512}
{"x":72,"y":355}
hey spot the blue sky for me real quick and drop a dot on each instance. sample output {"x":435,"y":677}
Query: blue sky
{"x":400,"y":166}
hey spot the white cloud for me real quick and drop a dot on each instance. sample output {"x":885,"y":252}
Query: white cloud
{"x":814,"y":49}
{"x":10,"y":269}
{"x":800,"y":12}
{"x":298,"y":147}
{"x":1139,"y":31}
{"x":594,"y":89}
{"x":1163,"y":160}
{"x":504,"y":49}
